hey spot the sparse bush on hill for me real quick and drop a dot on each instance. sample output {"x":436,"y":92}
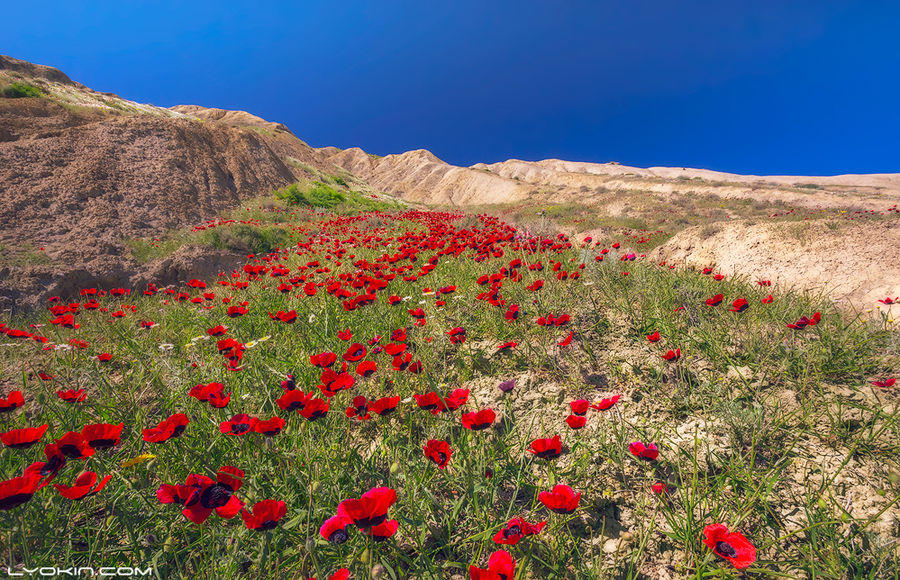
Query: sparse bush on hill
{"x":246,"y":239}
{"x":314,"y":194}
{"x":20,"y":90}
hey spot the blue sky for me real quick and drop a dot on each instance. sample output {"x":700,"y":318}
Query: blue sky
{"x":751,"y":87}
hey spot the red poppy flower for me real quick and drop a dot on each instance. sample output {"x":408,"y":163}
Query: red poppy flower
{"x":568,"y":339}
{"x":659,"y":488}
{"x":174,"y":426}
{"x":417,"y":313}
{"x":645,"y":452}
{"x":334,"y":529}
{"x":359,"y":409}
{"x":265,"y":515}
{"x":314,"y":409}
{"x":803,"y":322}
{"x":323,"y":360}
{"x":218,"y":399}
{"x":219,"y":330}
{"x":457,"y":335}
{"x":501,"y":566}
{"x":238,"y":424}
{"x":516,"y":529}
{"x":400,"y":362}
{"x":236,"y":311}
{"x":394,"y":300}
{"x":438,"y":451}
{"x":579,"y":407}
{"x":547,"y":448}
{"x":208,"y":497}
{"x":383,"y":531}
{"x":269,"y":427}
{"x":507,"y":345}
{"x":366,"y":368}
{"x":456,"y":399}
{"x":85,"y":485}
{"x":369,"y":510}
{"x":478,"y":420}
{"x":715,"y":300}
{"x":286,"y":317}
{"x":605,"y":404}
{"x":719,"y":277}
{"x":536,"y":285}
{"x":293,"y":400}
{"x":393,"y":349}
{"x":732,"y":546}
{"x":576,"y":421}
{"x":739,"y":305}
{"x":764,"y":282}
{"x":768,"y":299}
{"x":355,"y":352}
{"x":104,"y":357}
{"x":103,"y":435}
{"x":888,"y":300}
{"x":18,"y":490}
{"x":13,"y":401}
{"x":344,"y":334}
{"x":72,"y":395}
{"x":384,"y":405}
{"x":512,"y":313}
{"x":672,"y":355}
{"x":562,"y":499}
{"x":23,"y":438}
{"x":886,"y":383}
{"x":74,"y":446}
{"x":430,"y":402}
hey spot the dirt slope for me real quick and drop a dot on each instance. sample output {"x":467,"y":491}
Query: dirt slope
{"x":81,"y":171}
{"x":851,"y":263}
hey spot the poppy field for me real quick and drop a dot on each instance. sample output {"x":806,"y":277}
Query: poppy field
{"x":435,"y":394}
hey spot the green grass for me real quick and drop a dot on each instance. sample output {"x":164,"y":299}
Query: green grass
{"x":18,"y":90}
{"x":774,"y":432}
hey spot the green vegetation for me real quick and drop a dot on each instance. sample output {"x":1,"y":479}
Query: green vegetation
{"x":20,"y":90}
{"x":245,"y":238}
{"x":310,"y":194}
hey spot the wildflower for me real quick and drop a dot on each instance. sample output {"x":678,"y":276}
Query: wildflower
{"x":438,"y":451}
{"x":642,"y":451}
{"x":547,"y":448}
{"x":576,"y":421}
{"x":478,"y":420}
{"x":732,"y":546}
{"x":605,"y":404}
{"x":501,"y":566}
{"x":562,"y":499}
{"x":516,"y":529}
{"x":265,"y":515}
{"x":369,"y":510}
{"x":85,"y":485}
{"x":23,"y":438}
{"x":18,"y":490}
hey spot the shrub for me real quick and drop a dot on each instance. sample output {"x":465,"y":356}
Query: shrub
{"x":20,"y":90}
{"x":246,"y":239}
{"x":314,"y":193}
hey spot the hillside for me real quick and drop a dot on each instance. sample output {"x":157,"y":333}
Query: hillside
{"x":82,"y":171}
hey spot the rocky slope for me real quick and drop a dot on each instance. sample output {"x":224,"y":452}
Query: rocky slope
{"x":82,"y":171}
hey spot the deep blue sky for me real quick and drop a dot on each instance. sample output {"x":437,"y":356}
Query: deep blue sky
{"x":751,"y":87}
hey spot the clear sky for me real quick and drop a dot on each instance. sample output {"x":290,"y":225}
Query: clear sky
{"x":751,"y":87}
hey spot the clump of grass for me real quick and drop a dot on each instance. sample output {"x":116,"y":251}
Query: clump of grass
{"x":310,"y":194}
{"x":19,"y":90}
{"x":245,"y":238}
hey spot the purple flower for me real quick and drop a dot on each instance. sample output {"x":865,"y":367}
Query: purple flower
{"x":507,"y":386}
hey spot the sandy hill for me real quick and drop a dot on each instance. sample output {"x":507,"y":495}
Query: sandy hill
{"x":82,"y":171}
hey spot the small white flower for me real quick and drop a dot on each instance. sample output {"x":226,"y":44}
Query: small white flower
{"x":166,"y":346}
{"x":312,"y":318}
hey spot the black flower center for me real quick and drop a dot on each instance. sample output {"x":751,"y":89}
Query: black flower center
{"x":215,"y":496}
{"x":511,"y":531}
{"x":102,"y":443}
{"x":70,"y":451}
{"x":268,"y":525}
{"x":178,"y":431}
{"x":726,"y":549}
{"x":238,"y":428}
{"x":9,"y":502}
{"x":52,"y":465}
{"x":338,"y":536}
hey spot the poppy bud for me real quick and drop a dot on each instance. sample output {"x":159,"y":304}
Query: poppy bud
{"x":395,"y":468}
